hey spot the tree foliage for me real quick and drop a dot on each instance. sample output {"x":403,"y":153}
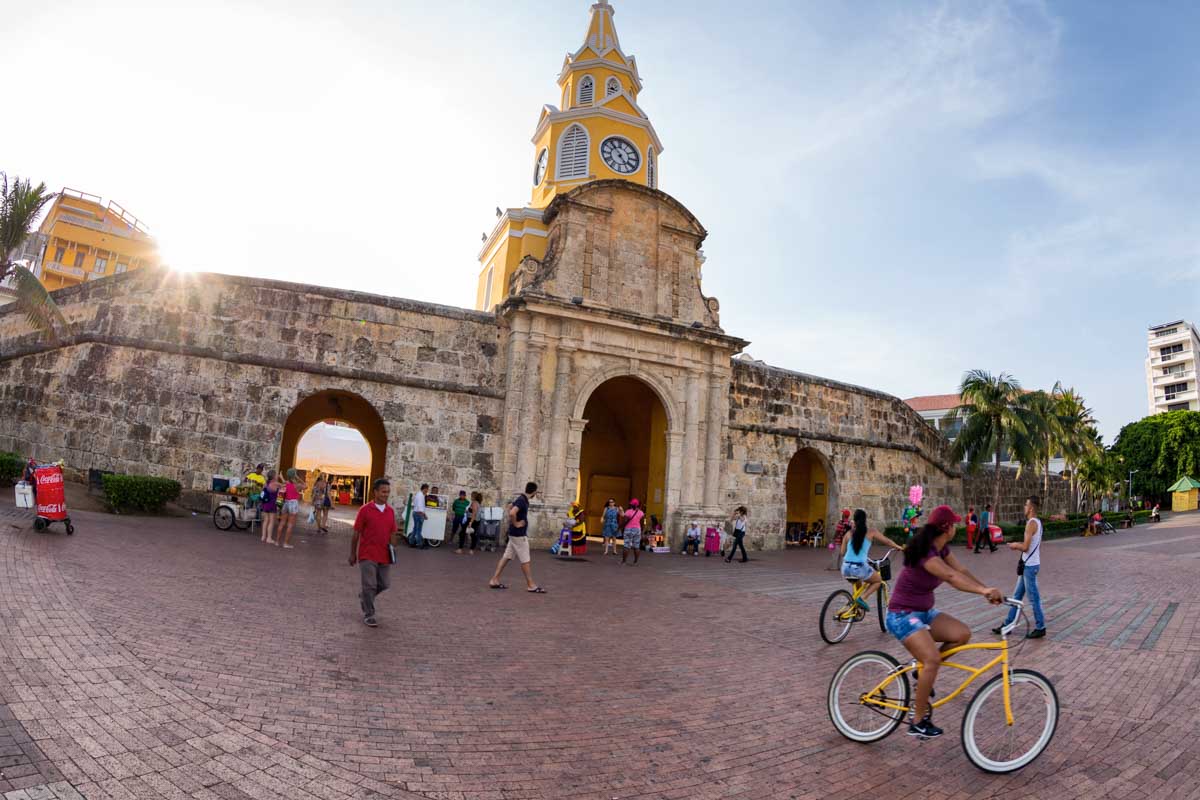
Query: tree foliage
{"x":1162,"y":448}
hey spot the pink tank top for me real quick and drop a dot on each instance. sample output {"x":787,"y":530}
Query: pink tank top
{"x":635,"y":520}
{"x":290,"y":492}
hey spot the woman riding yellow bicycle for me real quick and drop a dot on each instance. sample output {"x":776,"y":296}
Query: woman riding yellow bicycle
{"x":855,"y":563}
{"x":915,"y":622}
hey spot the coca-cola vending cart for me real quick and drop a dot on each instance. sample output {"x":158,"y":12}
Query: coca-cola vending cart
{"x":50,"y":498}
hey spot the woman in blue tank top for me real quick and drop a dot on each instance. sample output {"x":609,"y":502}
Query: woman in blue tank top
{"x":855,"y":549}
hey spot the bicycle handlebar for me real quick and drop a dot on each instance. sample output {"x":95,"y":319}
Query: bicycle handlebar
{"x":875,"y":562}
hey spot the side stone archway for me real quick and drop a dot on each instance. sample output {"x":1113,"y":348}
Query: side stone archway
{"x":342,"y":406}
{"x":810,"y":486}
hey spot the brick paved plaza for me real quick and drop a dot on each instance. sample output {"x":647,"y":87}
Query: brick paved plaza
{"x":163,"y":659}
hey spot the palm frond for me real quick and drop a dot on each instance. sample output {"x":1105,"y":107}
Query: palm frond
{"x":36,"y":303}
{"x":20,"y":205}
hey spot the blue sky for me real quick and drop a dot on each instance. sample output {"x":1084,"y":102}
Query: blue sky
{"x":895,"y":192}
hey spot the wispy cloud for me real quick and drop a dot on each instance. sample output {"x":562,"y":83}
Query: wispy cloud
{"x":949,"y":66}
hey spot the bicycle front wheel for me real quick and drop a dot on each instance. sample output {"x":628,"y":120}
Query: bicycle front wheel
{"x":997,"y":747}
{"x":837,"y":615}
{"x":881,"y":601}
{"x":850,"y":697}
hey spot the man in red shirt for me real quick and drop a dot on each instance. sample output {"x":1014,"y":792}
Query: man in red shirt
{"x":370,"y":547}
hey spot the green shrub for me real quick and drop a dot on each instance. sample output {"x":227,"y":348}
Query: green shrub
{"x":139,"y":493}
{"x":12,"y":467}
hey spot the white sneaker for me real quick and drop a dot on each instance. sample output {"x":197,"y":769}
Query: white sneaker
{"x":288,"y":547}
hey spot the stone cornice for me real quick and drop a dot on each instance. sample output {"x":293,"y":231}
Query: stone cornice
{"x":99,"y":290}
{"x":548,"y":304}
{"x":575,"y":197}
{"x":253,"y":360}
{"x":796,"y":433}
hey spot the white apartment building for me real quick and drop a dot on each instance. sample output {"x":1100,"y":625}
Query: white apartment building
{"x":1171,"y":367}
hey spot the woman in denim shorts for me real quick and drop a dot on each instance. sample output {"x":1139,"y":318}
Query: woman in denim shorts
{"x":855,"y":551}
{"x":916,"y":623}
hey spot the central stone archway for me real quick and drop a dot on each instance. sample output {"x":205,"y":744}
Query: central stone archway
{"x":344,"y":407}
{"x":623,"y":449}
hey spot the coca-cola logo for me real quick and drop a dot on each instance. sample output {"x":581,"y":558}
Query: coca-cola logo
{"x":49,"y":478}
{"x":52,"y":508}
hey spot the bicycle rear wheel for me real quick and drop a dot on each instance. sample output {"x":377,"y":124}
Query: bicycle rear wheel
{"x":837,"y":615}
{"x":861,"y":673}
{"x":997,"y":747}
{"x":881,"y":601}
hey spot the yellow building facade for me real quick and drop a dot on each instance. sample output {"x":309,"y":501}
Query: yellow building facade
{"x":598,"y":131}
{"x":86,"y":239}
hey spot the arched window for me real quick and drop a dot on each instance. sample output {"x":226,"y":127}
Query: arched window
{"x":587,"y":91}
{"x":651,"y":169}
{"x":573,"y":154}
{"x":614,"y":87}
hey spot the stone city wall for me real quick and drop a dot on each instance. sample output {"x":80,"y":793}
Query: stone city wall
{"x":871,"y":444}
{"x":189,"y":376}
{"x":979,"y":487}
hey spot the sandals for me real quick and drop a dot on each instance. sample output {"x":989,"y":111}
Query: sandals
{"x":497,"y":586}
{"x":536,"y":590}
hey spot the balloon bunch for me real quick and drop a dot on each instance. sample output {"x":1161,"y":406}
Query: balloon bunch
{"x":913,"y":511}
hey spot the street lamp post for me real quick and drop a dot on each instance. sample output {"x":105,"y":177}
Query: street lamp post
{"x":1130,"y":489}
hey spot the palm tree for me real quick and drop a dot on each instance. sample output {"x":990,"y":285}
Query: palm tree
{"x":20,"y":205}
{"x":1079,"y":436}
{"x":1098,"y":473}
{"x":994,"y":420}
{"x":1046,"y":430}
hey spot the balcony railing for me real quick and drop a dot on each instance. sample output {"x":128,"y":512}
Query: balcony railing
{"x":103,"y":227}
{"x":1174,"y":376}
{"x":1180,"y":356}
{"x":1189,"y":394}
{"x":63,"y":269}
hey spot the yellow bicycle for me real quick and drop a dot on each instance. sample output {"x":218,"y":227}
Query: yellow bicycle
{"x":842,"y":608}
{"x":1007,"y":724}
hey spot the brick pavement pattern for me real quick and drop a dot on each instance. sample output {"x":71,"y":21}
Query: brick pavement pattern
{"x":164,"y":659}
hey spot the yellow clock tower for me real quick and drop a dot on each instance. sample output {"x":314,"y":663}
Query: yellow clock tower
{"x":599,"y":132}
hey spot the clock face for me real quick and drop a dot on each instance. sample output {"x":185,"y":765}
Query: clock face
{"x":620,"y":155}
{"x":539,"y":169}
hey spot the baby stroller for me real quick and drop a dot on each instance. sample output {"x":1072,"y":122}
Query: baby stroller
{"x":488,"y":528}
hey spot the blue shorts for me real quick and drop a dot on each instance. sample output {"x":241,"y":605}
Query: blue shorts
{"x":903,"y":624}
{"x":855,"y":571}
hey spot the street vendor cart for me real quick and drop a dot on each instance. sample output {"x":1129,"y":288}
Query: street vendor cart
{"x":238,"y":506}
{"x":49,"y":497}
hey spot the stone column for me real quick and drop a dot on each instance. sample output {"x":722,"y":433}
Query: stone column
{"x":717,"y":410}
{"x":574,"y":453}
{"x":690,"y":491}
{"x":527,"y":437}
{"x":518,"y":336}
{"x":671,"y":493}
{"x":556,"y":489}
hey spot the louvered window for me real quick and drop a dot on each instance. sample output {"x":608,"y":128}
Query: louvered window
{"x":573,"y":154}
{"x":651,"y":169}
{"x":614,"y":87}
{"x":587,"y":91}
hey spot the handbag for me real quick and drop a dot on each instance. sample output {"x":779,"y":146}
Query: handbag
{"x":1021,"y":560}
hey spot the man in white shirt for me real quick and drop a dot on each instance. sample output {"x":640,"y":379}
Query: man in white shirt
{"x":1030,"y":565}
{"x":419,"y":515}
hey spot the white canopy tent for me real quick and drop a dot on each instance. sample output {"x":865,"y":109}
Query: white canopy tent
{"x":334,"y":450}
